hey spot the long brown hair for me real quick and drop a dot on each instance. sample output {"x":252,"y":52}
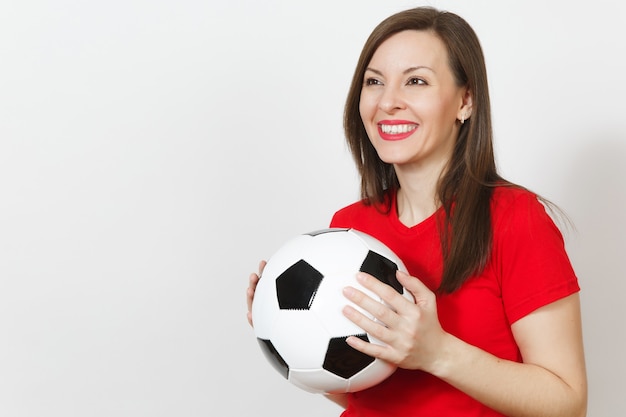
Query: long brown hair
{"x":466,"y":186}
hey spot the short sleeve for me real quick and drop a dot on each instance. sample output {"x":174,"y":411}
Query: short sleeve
{"x":529,"y":249}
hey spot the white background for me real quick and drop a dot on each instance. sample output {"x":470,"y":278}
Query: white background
{"x":151,"y":152}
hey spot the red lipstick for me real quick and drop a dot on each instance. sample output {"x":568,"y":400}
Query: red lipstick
{"x":393,"y":130}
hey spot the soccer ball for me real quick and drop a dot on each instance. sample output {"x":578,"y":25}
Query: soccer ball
{"x":297,"y":309}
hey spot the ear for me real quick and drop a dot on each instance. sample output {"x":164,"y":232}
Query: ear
{"x":465,"y":111}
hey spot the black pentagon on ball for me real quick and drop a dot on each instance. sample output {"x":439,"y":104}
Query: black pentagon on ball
{"x":297,"y":285}
{"x":382,"y":268}
{"x":343,"y":360}
{"x":274,"y":357}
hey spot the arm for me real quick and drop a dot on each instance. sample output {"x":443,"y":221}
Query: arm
{"x":550,"y":382}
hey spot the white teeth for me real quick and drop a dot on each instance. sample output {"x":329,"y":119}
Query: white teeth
{"x":396,"y":129}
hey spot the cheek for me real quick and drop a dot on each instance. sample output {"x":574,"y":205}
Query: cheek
{"x":367,"y":110}
{"x":367,"y":106}
{"x":363,"y":110}
{"x":439,"y":111}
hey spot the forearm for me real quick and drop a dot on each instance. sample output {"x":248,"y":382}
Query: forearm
{"x":514,"y":389}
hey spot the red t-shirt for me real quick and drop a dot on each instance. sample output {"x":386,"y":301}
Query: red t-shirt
{"x":528,"y":269}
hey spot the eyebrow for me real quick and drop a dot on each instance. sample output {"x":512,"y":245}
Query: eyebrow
{"x":406,"y":71}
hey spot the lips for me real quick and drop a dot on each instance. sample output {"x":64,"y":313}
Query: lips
{"x":393,"y":130}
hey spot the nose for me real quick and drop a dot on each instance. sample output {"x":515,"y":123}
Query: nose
{"x":391,"y":100}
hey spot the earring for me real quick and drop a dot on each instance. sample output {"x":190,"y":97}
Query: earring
{"x":463,"y":119}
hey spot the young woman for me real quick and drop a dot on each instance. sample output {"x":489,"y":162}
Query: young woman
{"x":495,"y":328}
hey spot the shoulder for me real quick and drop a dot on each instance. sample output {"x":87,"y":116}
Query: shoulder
{"x":518,"y":213}
{"x":511,"y":197}
{"x":515,"y":204}
{"x":346,"y":215}
{"x":357,"y":212}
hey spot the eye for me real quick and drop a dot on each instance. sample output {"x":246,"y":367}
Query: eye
{"x":372,"y":81}
{"x":416,"y":81}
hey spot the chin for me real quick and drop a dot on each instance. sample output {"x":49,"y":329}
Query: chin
{"x":394,"y":157}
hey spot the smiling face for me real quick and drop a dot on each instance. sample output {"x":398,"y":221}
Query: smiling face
{"x":410,"y":102}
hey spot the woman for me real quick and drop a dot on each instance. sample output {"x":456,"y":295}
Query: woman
{"x":495,"y":329}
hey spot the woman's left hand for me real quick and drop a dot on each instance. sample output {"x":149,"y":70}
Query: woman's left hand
{"x":411,"y":332}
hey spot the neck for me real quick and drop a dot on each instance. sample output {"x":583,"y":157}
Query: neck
{"x":417,"y":197}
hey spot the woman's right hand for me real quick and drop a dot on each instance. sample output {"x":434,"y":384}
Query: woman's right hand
{"x":253,"y":281}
